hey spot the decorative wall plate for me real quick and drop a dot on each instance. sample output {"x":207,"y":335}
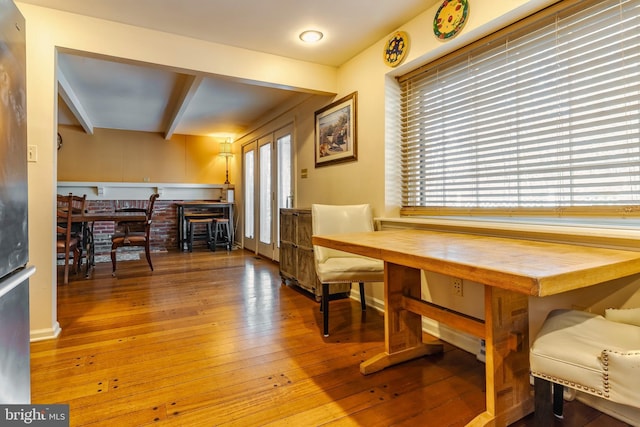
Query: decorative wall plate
{"x":450,"y":18}
{"x":396,"y":49}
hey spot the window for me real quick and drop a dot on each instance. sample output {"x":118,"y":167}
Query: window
{"x":265,"y":185}
{"x":249,"y":194}
{"x":544,"y":115}
{"x":285,"y":174}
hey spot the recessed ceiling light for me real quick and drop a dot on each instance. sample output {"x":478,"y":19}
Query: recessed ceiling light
{"x":311,"y":36}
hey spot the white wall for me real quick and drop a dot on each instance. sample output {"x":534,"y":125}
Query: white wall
{"x":49,"y":30}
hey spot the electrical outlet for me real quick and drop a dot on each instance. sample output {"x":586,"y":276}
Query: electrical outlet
{"x":456,"y":286}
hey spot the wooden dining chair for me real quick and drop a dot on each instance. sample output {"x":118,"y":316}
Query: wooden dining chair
{"x":78,"y":203}
{"x":79,"y":228}
{"x":134,"y":233}
{"x":67,"y":241}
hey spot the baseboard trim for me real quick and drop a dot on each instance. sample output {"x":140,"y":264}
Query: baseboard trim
{"x":45,"y":334}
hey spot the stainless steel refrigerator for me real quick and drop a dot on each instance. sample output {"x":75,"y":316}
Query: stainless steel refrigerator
{"x":15,"y":383}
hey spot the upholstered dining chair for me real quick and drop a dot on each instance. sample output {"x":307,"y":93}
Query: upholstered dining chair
{"x":333,"y":266}
{"x":134,"y":233}
{"x":595,"y":354}
{"x":67,"y":241}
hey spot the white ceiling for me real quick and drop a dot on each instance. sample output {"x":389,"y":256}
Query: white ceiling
{"x":270,"y":26}
{"x":105,"y":93}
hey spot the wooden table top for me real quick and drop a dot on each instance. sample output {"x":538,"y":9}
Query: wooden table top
{"x":525,"y":266}
{"x":203,"y":203}
{"x":109,"y":216}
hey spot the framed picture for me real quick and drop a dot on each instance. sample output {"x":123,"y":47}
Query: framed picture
{"x":336,"y":132}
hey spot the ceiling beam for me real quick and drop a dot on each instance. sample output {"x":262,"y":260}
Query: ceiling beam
{"x":70,"y":98}
{"x":189,"y":91}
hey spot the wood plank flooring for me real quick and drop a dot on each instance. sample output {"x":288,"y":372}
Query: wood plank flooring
{"x":214,"y":339}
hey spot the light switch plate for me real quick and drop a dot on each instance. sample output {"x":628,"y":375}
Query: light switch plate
{"x":32,"y":153}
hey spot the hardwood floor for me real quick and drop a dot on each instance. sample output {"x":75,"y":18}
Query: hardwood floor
{"x":211,"y":339}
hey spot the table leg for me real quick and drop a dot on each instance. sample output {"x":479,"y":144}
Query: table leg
{"x":402,"y":328}
{"x":508,"y":392}
{"x":231,"y":225}
{"x":509,"y":395}
{"x":89,"y":246}
{"x":180,"y":226}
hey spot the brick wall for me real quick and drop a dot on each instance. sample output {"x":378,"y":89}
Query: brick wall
{"x":164,"y":230}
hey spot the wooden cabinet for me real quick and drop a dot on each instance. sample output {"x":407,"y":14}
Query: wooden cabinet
{"x":296,"y":253}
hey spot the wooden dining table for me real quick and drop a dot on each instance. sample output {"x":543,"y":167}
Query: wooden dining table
{"x":88,"y":219}
{"x":511,"y":270}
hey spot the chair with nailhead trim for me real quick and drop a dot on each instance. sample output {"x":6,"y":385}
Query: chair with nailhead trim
{"x":588,"y":353}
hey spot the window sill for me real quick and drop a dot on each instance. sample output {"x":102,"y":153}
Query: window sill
{"x":613,"y":233}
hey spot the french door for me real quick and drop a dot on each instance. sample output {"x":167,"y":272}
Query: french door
{"x":268,"y":181}
{"x":249,"y":182}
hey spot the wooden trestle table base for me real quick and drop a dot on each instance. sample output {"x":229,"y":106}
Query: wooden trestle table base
{"x":511,"y":270}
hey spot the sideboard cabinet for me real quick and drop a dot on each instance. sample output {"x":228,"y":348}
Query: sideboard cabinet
{"x":296,"y":253}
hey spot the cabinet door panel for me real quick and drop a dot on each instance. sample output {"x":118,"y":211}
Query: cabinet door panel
{"x":306,"y":272}
{"x":287,"y":259}
{"x":304,"y":231}
{"x":287,"y":226}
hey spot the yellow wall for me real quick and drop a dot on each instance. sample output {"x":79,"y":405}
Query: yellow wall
{"x":373,"y":178}
{"x":49,"y":31}
{"x":111,"y":155}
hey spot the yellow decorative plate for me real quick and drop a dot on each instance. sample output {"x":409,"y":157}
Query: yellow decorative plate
{"x":396,"y":49}
{"x":450,"y":18}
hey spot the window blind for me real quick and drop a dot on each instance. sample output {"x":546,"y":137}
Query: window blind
{"x":546,"y":115}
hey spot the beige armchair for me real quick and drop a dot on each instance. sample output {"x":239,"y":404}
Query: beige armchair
{"x":589,"y":353}
{"x":332,"y":266}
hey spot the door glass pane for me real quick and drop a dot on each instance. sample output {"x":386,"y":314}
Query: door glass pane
{"x":249,"y":167}
{"x":285,"y":185}
{"x":265,"y":193}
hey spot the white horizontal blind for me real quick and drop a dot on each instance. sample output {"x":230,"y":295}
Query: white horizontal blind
{"x":547,"y":117}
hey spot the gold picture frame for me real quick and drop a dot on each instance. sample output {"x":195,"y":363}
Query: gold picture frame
{"x":336,"y":137}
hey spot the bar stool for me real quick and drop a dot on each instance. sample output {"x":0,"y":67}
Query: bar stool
{"x":223,"y":232}
{"x":191,"y":222}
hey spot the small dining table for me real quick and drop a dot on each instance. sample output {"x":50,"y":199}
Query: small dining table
{"x":212,"y":206}
{"x":511,"y":270}
{"x":88,"y":219}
